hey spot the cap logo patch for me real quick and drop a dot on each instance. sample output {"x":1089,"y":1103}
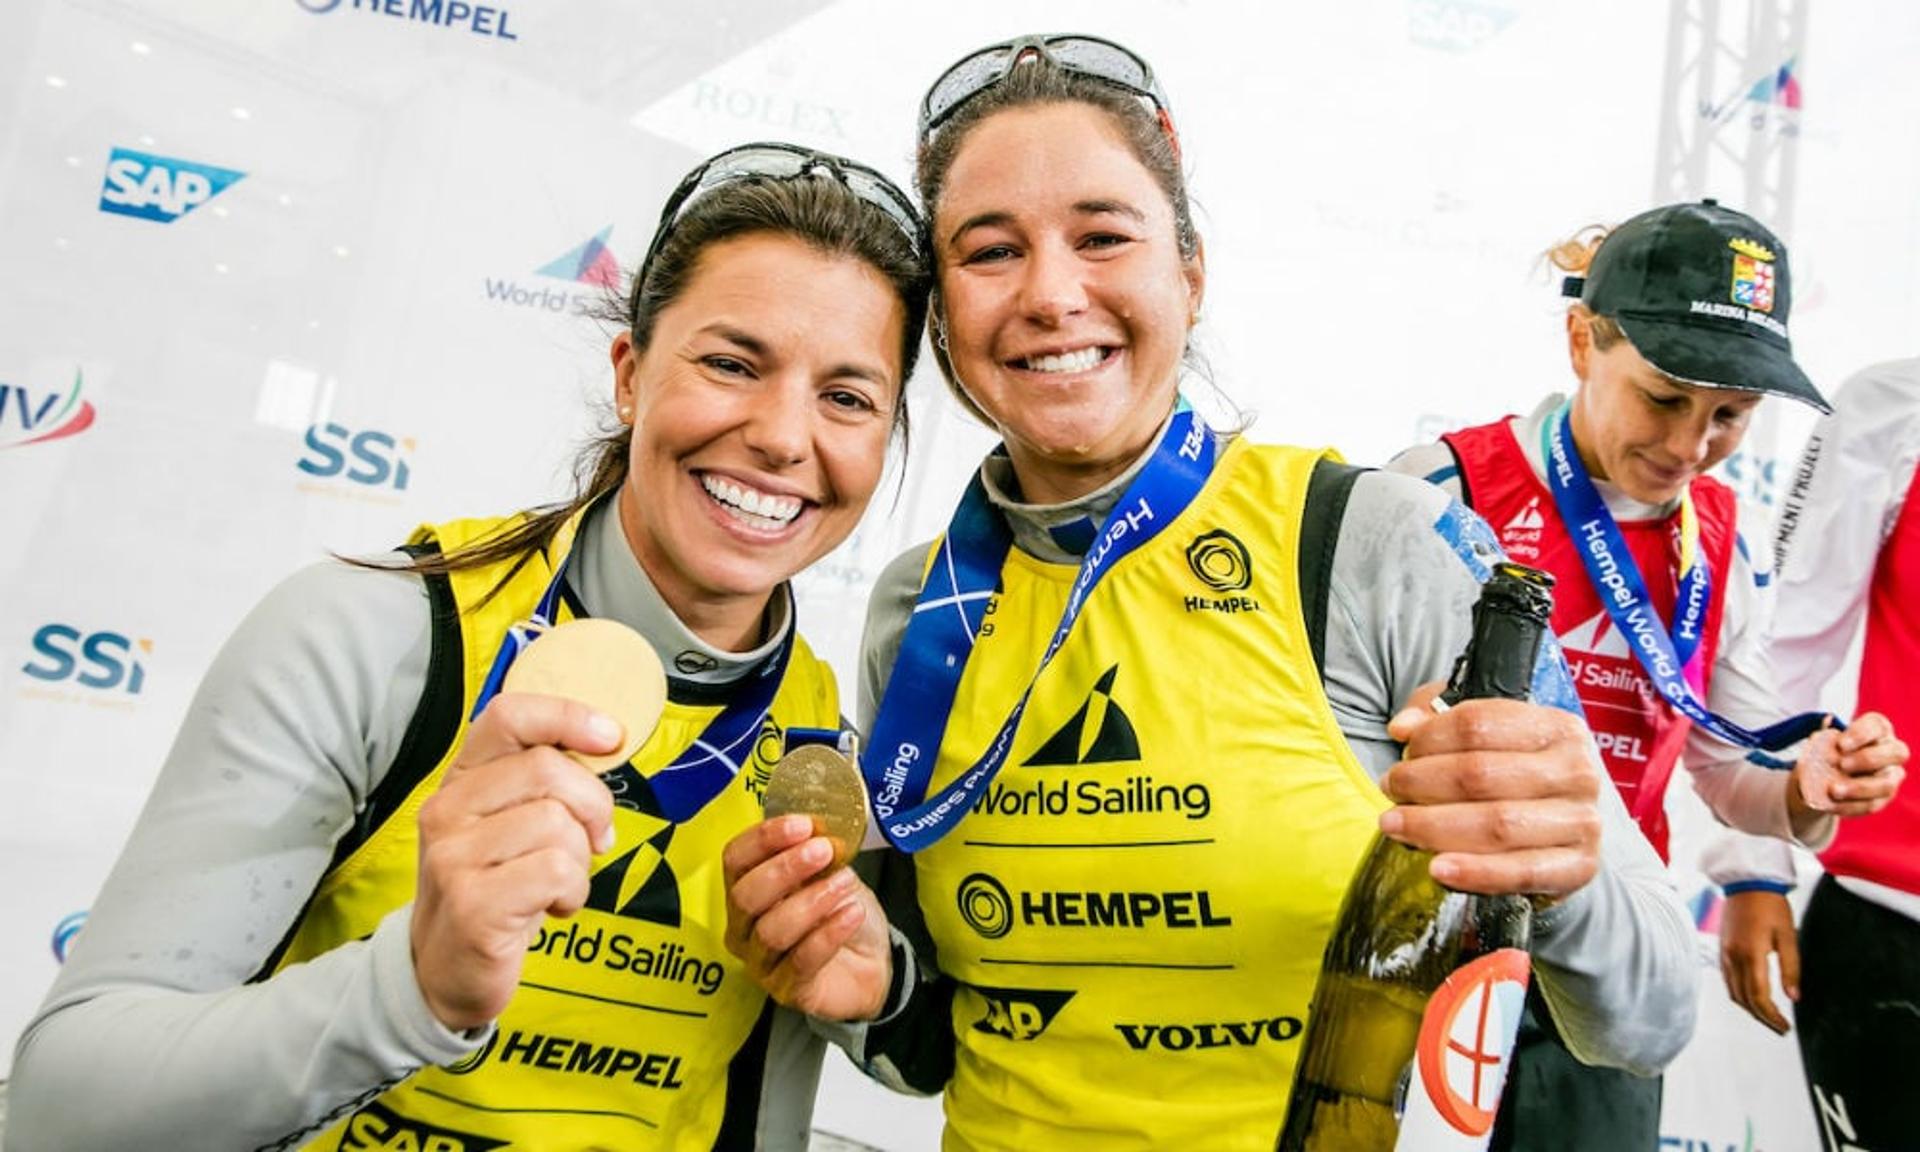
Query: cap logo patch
{"x":1752,"y":275}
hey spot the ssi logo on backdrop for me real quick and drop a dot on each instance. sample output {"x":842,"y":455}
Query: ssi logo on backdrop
{"x":368,"y":459}
{"x":159,"y":188}
{"x":106,"y":662}
{"x":33,"y":416}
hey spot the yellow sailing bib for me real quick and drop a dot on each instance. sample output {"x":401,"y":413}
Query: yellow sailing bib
{"x":631,"y":1015}
{"x":1136,"y":909}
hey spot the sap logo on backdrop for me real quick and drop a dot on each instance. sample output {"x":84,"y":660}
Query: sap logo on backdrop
{"x":369,"y":458}
{"x":1455,"y":25}
{"x":64,"y":932}
{"x":589,"y":262}
{"x":99,"y":660}
{"x":32,"y":417}
{"x":159,"y":187}
{"x":479,"y":19}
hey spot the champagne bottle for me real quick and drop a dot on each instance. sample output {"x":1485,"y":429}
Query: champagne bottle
{"x":1420,"y":994}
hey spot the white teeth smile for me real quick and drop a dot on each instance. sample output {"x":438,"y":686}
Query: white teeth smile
{"x":757,"y":508}
{"x":1084,"y":360}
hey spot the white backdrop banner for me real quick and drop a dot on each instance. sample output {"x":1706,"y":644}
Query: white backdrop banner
{"x":287,"y":277}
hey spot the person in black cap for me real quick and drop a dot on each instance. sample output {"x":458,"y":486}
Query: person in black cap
{"x":1678,"y":334}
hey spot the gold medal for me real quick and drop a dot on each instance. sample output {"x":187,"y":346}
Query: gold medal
{"x":816,"y":780}
{"x":603,"y":664}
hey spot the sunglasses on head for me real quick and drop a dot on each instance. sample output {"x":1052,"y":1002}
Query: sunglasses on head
{"x":774,"y":161}
{"x":1089,"y":56}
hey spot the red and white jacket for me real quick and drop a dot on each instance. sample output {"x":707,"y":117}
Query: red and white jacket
{"x":1848,"y":547}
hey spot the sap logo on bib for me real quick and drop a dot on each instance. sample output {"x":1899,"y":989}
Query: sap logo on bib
{"x":1019,"y":1013}
{"x":368,"y":458}
{"x":159,"y":187}
{"x":31,"y":416}
{"x":100,"y":660}
{"x":378,"y":1128}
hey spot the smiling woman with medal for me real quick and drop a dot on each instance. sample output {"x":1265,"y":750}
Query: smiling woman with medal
{"x":1679,"y":332}
{"x":380,"y":897}
{"x":1135,"y":718}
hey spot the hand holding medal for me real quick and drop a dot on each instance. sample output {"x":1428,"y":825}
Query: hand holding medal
{"x":509,"y":838}
{"x":819,"y":782}
{"x":1853,"y":771}
{"x":605,"y":665}
{"x":807,"y":927}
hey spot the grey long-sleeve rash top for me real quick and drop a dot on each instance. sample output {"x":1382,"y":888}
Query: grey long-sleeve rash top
{"x":1615,"y":960}
{"x":151,"y":1036}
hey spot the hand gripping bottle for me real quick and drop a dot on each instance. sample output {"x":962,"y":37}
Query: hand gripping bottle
{"x":1413,"y":1019}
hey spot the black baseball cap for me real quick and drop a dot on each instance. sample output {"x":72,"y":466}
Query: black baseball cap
{"x":1703,"y":293}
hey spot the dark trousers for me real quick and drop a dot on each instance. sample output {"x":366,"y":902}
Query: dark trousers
{"x":1859,"y":1020}
{"x":1554,"y":1103}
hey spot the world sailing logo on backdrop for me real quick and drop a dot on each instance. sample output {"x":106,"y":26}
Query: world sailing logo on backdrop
{"x":588,"y":263}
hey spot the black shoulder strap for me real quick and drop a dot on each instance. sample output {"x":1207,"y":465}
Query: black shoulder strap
{"x":1327,"y":493}
{"x":429,"y":734}
{"x":435,"y":719}
{"x":1460,"y":473}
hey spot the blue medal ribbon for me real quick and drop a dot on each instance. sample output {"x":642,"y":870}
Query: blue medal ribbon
{"x":1669,"y":656}
{"x":705,"y":768}
{"x":953,"y":606}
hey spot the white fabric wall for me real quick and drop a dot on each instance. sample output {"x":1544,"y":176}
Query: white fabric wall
{"x":1374,"y":180}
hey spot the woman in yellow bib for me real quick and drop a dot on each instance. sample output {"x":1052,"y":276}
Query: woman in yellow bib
{"x":1133,"y":721}
{"x":367,"y":907}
